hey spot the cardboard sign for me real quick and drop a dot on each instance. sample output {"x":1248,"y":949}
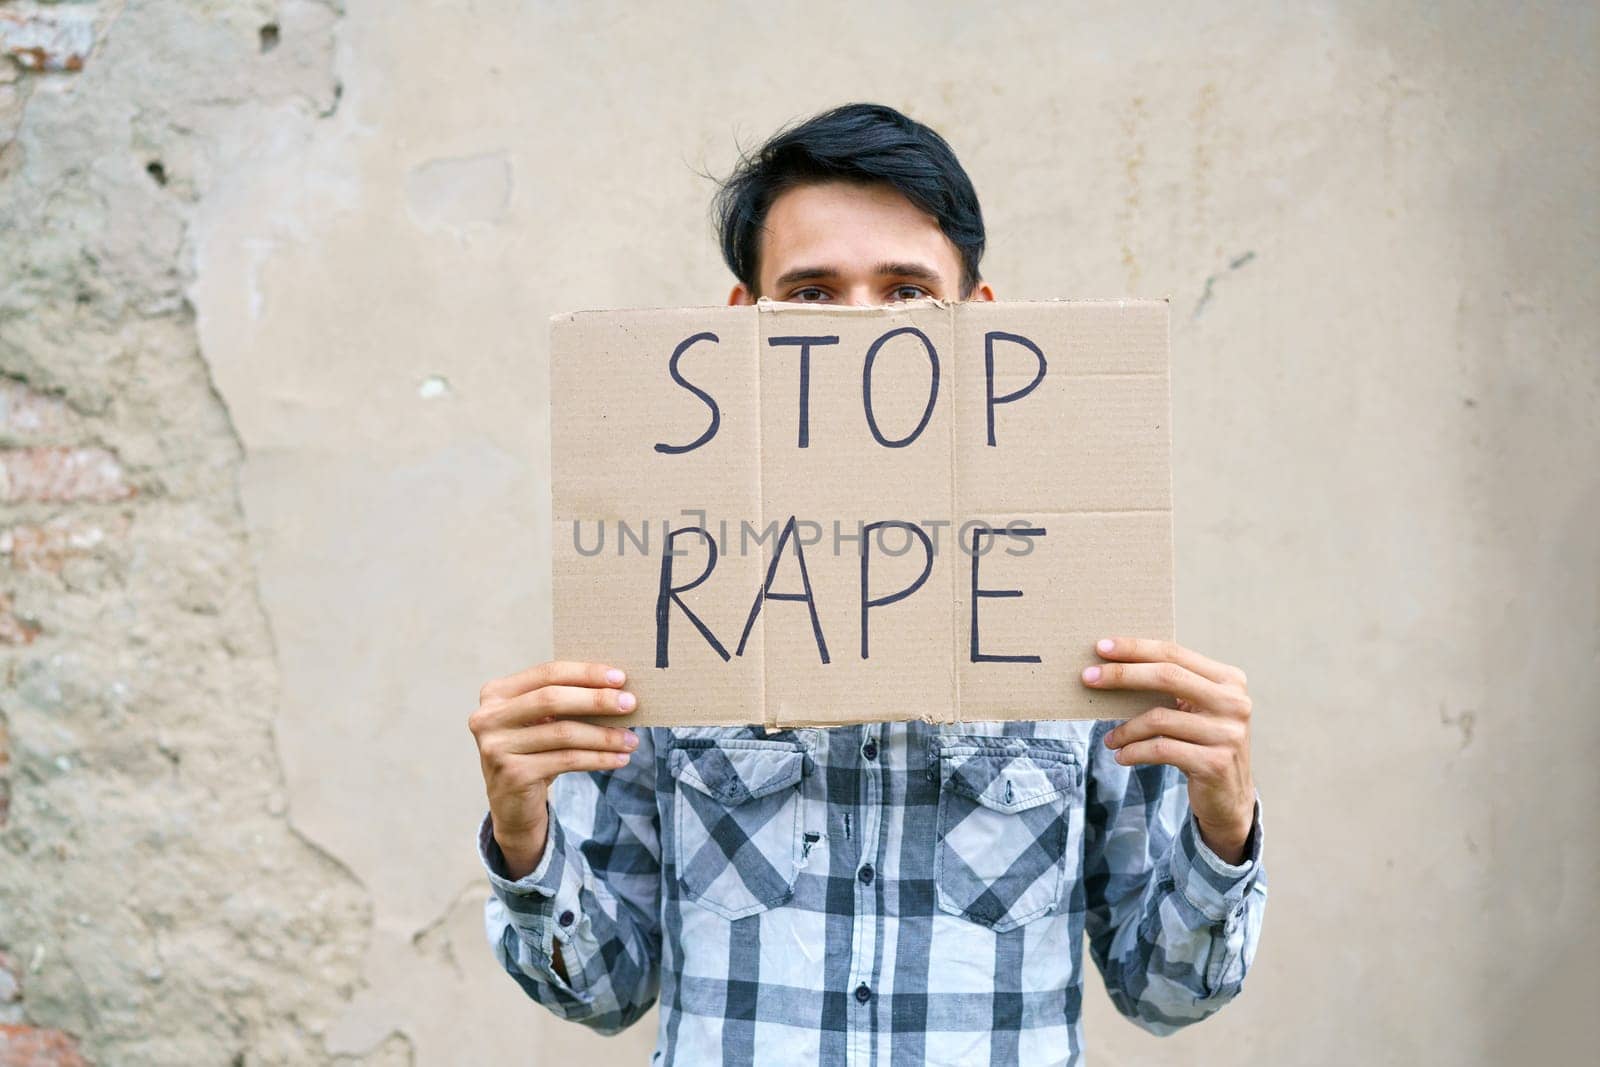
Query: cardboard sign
{"x":794,"y":515}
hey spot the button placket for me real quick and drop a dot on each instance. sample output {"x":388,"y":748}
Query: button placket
{"x":864,"y":940}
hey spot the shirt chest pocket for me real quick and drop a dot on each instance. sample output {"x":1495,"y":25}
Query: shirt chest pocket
{"x":1010,"y":812}
{"x":737,"y":822}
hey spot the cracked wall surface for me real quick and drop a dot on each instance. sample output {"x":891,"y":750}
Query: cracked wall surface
{"x":156,"y":906}
{"x":274,"y":288}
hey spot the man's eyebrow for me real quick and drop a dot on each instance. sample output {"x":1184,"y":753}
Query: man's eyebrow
{"x":907,"y":270}
{"x":919,"y":271}
{"x":804,"y":274}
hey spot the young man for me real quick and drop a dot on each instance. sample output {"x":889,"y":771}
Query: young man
{"x":857,"y":894}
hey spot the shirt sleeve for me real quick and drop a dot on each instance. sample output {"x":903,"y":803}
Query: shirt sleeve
{"x":1172,"y":927}
{"x":594,"y":894}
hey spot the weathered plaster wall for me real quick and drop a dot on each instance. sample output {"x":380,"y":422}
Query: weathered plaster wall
{"x":156,"y":906}
{"x":272,"y":321}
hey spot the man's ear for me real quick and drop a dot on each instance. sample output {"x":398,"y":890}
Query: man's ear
{"x":983,"y":292}
{"x":740,"y":296}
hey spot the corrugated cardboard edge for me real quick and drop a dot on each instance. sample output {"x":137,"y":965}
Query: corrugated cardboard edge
{"x":842,"y":309}
{"x":1172,"y":485}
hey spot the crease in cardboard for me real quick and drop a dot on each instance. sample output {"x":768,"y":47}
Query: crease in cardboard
{"x":769,"y":710}
{"x":956,"y":600}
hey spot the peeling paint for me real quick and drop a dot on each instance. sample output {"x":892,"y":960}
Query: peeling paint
{"x":48,"y":40}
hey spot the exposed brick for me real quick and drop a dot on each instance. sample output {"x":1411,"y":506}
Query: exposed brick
{"x":10,"y":980}
{"x":47,"y":40}
{"x":14,"y":630}
{"x":29,"y":1046}
{"x":26,"y":413}
{"x":47,"y":546}
{"x":61,"y":474}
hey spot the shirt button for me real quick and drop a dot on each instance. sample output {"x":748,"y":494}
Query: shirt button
{"x":566,"y":918}
{"x":863,"y":994}
{"x":870,"y":750}
{"x":866,"y":874}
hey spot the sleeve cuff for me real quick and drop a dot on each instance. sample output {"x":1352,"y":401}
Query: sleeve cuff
{"x":1216,"y":889}
{"x":542,"y":904}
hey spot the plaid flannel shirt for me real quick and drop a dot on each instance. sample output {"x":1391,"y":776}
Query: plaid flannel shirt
{"x":895,"y":893}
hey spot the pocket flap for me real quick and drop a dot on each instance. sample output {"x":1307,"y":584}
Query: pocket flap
{"x":734,"y":773}
{"x":1010,"y":783}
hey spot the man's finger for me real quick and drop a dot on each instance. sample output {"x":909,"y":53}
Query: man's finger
{"x":1164,"y":677}
{"x":1145,"y":650}
{"x":557,"y":672}
{"x":553,"y":701}
{"x":1191,"y":759}
{"x":1169,"y":722}
{"x":562,"y":761}
{"x":569,"y":733}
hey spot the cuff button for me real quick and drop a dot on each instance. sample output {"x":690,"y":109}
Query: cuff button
{"x":566,"y":918}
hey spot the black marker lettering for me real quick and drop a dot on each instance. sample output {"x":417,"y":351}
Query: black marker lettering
{"x":804,"y":344}
{"x":868,"y":602}
{"x":988,"y":372}
{"x":668,"y":594}
{"x":984,"y":657}
{"x":766,"y":593}
{"x":866,"y":386}
{"x":677,"y":376}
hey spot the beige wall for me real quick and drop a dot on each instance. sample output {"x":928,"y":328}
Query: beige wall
{"x":1377,"y":227}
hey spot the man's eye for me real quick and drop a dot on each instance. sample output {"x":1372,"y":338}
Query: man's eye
{"x":809,"y":295}
{"x":909,"y":292}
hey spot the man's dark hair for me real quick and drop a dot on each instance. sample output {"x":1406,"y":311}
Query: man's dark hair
{"x":866,"y":143}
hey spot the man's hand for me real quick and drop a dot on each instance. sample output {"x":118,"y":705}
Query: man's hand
{"x":1207,"y":736}
{"x":524,"y":741}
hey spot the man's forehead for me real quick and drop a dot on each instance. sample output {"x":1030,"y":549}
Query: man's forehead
{"x":823,"y":208}
{"x":841,"y":225}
